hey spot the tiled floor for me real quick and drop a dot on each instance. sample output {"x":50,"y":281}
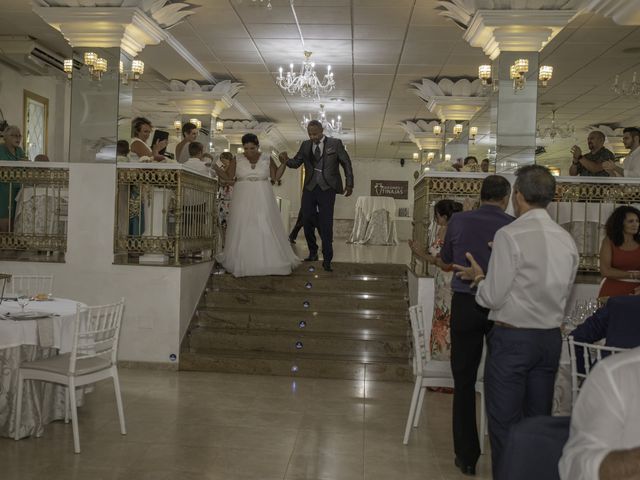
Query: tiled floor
{"x":348,"y":252}
{"x":205,"y":426}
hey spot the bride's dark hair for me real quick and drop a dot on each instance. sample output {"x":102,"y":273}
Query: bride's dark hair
{"x":250,"y":138}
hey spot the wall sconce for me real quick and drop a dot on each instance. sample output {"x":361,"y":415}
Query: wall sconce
{"x":225,"y":150}
{"x":177,"y":126}
{"x":457,"y":130}
{"x":219,"y":126}
{"x":68,"y":67}
{"x":137,"y":69}
{"x":196,"y":122}
{"x":473,"y":132}
{"x":437,"y":130}
{"x":100,"y":68}
{"x":545,"y":74}
{"x":517,"y":73}
{"x":90,"y":59}
{"x":416,"y":156}
{"x":484,"y":74}
{"x":447,"y":157}
{"x":430,"y":156}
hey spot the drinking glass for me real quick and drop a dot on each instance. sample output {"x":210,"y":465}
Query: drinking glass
{"x":23,"y":300}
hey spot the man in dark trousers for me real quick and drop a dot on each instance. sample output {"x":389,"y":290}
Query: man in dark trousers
{"x":321,"y":157}
{"x":471,"y":232}
{"x":299,"y":224}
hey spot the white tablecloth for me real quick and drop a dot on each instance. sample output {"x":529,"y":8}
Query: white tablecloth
{"x":20,"y":342}
{"x":41,"y":210}
{"x":374,"y":222}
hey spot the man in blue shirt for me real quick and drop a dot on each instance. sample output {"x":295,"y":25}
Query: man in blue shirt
{"x":471,"y":232}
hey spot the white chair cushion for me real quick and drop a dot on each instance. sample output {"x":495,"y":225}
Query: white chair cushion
{"x":60,"y":364}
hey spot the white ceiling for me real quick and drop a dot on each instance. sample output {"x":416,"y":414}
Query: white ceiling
{"x":376,"y":49}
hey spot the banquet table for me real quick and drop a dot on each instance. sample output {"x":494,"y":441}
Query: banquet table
{"x":41,"y":210}
{"x":374,"y":222}
{"x":28,"y":340}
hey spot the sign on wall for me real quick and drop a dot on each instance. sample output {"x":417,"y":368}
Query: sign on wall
{"x":397,"y":189}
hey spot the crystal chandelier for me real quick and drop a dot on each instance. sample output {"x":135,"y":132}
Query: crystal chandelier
{"x":555,"y":130}
{"x":624,"y":89}
{"x":266,"y":3}
{"x":306,"y":83}
{"x":332,"y":126}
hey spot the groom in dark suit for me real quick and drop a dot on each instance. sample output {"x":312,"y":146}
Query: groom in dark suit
{"x":321,"y":156}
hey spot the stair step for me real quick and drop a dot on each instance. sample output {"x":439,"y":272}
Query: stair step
{"x":317,"y":366}
{"x":349,"y":324}
{"x":317,"y":301}
{"x":350,"y":269}
{"x":204,"y":339}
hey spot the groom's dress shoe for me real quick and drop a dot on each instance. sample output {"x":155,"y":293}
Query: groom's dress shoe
{"x":327,"y":266}
{"x":313,"y":257}
{"x":465,"y":469}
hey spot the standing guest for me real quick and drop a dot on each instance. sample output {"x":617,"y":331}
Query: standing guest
{"x":631,"y":140}
{"x":189,"y":134}
{"x":321,"y":156}
{"x":10,"y":150}
{"x":41,"y":158}
{"x":620,"y":252}
{"x":484,"y":165}
{"x":591,"y":164}
{"x":141,"y":131}
{"x":196,"y":158}
{"x":531,"y":272}
{"x":440,"y":332}
{"x":604,"y":443}
{"x":471,"y":232}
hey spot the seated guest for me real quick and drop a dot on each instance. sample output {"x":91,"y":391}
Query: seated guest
{"x":591,"y":164}
{"x":470,"y":164}
{"x":122,"y":151}
{"x":196,"y":158}
{"x":140,"y":152}
{"x":41,"y":158}
{"x":604,"y":442}
{"x":10,"y":150}
{"x":189,"y":135}
{"x":620,"y":252}
{"x":484,"y":165}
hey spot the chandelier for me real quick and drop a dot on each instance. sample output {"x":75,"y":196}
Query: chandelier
{"x":332,"y":126}
{"x":555,"y":130}
{"x":306,"y":83}
{"x":624,"y":89}
{"x":261,"y":3}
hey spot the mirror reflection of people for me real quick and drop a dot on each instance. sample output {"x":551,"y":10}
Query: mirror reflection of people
{"x":122,"y":151}
{"x":141,"y":129}
{"x":196,"y":158}
{"x":225,"y":189}
{"x":11,"y":150}
{"x":41,"y":158}
{"x":256,"y":243}
{"x":594,"y":162}
{"x":484,"y":165}
{"x":189,"y":135}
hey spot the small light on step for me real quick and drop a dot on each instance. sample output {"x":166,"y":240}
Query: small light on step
{"x":306,"y":304}
{"x":294,"y":369}
{"x":308,"y":285}
{"x":299,"y":345}
{"x":315,"y":314}
{"x":365,"y":278}
{"x":302,"y":324}
{"x":312,"y":269}
{"x":365,"y":296}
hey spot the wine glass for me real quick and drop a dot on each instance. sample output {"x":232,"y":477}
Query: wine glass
{"x":23,"y":300}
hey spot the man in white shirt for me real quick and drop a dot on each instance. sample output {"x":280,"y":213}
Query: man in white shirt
{"x":531,"y":271}
{"x":604,"y":443}
{"x":196,"y":158}
{"x":631,"y":140}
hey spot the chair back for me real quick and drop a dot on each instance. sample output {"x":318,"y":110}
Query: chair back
{"x":97,"y":331}
{"x":421,"y":330}
{"x":30,"y":284}
{"x":591,"y":354}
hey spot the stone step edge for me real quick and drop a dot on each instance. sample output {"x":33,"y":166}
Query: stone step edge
{"x":302,"y":333}
{"x":289,"y":311}
{"x":270,"y":355}
{"x":311,"y":291}
{"x":357,"y":314}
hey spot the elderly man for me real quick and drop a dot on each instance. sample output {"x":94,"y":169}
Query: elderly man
{"x":471,"y":231}
{"x":591,"y":164}
{"x":604,"y":443}
{"x":531,"y":272}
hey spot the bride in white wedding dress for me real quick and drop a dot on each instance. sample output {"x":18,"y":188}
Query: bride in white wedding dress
{"x":256,"y":242}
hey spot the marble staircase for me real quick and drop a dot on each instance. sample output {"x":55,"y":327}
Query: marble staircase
{"x":351,"y":324}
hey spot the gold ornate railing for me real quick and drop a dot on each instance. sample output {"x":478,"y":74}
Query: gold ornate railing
{"x":164,"y":214}
{"x":582,"y":206}
{"x":33,"y":210}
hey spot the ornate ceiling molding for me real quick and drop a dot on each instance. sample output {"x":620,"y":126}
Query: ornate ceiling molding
{"x":421,"y":133}
{"x":450,"y":100}
{"x":495,"y":25}
{"x":194,"y":99}
{"x":623,"y":12}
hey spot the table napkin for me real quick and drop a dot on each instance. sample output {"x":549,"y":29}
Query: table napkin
{"x":45,"y":332}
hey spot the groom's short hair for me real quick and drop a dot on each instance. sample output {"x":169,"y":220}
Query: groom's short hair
{"x":314,"y":123}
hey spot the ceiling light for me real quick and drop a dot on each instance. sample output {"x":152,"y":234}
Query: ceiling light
{"x":430,"y":156}
{"x":177,"y":125}
{"x":137,"y":69}
{"x":306,"y":83}
{"x":334,"y":127}
{"x":261,"y":3}
{"x":219,"y":126}
{"x":196,"y":122}
{"x":624,"y":89}
{"x":517,"y":73}
{"x":68,"y":67}
{"x":437,"y":130}
{"x":457,"y":130}
{"x":484,"y":73}
{"x":90,"y":59}
{"x":416,"y":156}
{"x":447,"y":157}
{"x":555,"y":130}
{"x":545,"y":74}
{"x":473,"y":132}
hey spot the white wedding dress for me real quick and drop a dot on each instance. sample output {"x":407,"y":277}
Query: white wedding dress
{"x":256,"y":242}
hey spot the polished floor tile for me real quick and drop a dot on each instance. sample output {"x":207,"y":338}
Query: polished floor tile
{"x":210,"y":426}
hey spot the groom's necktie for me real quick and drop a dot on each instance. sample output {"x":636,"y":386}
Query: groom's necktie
{"x":316,"y":153}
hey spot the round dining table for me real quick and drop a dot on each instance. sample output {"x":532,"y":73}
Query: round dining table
{"x":23,"y":340}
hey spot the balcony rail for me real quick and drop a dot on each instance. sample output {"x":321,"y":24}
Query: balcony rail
{"x":164,"y":214}
{"x":582,"y":206}
{"x":33,"y":210}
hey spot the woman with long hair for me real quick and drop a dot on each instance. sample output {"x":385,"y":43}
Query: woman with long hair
{"x":620,"y":253}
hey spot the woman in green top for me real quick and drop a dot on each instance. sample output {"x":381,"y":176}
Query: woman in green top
{"x":11,"y":150}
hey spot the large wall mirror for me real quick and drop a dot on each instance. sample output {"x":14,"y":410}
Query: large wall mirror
{"x":36,"y":116}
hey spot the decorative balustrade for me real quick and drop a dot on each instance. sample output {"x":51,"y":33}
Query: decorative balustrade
{"x":33,"y":210}
{"x":581,"y":205}
{"x":165,"y":214}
